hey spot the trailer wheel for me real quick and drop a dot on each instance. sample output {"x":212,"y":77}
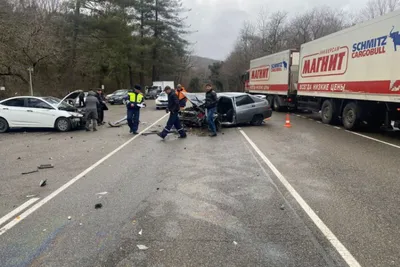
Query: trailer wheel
{"x":328,"y":112}
{"x":351,"y":116}
{"x":277,"y":105}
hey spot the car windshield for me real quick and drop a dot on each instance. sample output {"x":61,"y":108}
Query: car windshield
{"x":163,"y":94}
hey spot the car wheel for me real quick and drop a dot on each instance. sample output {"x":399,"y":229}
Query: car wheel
{"x":157,"y":108}
{"x":351,"y":116}
{"x":276,"y":105}
{"x":112,"y":103}
{"x":327,"y":112}
{"x":3,"y":125}
{"x":257,"y":120}
{"x":63,"y":125}
{"x":218,"y":125}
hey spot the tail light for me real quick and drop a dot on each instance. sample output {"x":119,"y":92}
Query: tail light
{"x":200,"y":115}
{"x":289,"y":99}
{"x":398,"y":109}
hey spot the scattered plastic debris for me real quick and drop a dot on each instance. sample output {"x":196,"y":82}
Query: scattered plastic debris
{"x":49,"y":138}
{"x":142,"y":247}
{"x":45,"y":166}
{"x":158,"y":188}
{"x":162,"y":249}
{"x":80,"y":224}
{"x":98,"y":206}
{"x":19,"y":158}
{"x":44,"y":230}
{"x":69,"y":217}
{"x":43,"y":183}
{"x":102,"y":193}
{"x":282,"y":207}
{"x":29,"y":172}
{"x":235,"y":243}
{"x":141,"y":231}
{"x":29,"y":196}
{"x":50,"y":158}
{"x":134,"y":222}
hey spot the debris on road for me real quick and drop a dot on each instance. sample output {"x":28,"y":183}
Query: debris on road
{"x":134,"y":222}
{"x":235,"y":243}
{"x":282,"y":207}
{"x":44,"y":230}
{"x":102,"y":193}
{"x":29,"y":172}
{"x":162,"y":249}
{"x":69,"y":217}
{"x":43,"y":183}
{"x":29,"y":196}
{"x":98,"y":206}
{"x":19,"y":158}
{"x":142,"y":247}
{"x":45,"y":166}
{"x":80,"y":224}
{"x":158,"y":188}
{"x":141,"y":231}
{"x":50,"y":158}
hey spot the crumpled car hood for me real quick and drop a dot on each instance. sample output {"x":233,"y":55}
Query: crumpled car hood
{"x":197,"y":99}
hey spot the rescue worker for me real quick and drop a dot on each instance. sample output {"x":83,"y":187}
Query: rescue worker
{"x":180,"y":90}
{"x":134,"y":101}
{"x":211,"y":105}
{"x":92,"y":104}
{"x":173,"y":108}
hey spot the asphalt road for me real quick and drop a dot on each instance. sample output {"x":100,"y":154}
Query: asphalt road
{"x":200,"y":201}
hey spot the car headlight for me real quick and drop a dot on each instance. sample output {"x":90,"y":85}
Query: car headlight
{"x":74,"y":114}
{"x":158,"y":102}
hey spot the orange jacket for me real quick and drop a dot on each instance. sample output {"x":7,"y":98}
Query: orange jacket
{"x":182,"y":98}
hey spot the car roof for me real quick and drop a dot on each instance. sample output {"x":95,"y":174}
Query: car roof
{"x":22,"y":96}
{"x":233,"y":94}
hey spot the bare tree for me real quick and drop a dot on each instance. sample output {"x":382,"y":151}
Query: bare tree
{"x":376,"y":8}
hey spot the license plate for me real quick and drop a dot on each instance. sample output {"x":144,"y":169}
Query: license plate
{"x":76,"y":119}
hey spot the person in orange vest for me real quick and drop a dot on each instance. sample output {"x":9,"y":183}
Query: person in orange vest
{"x":180,"y":90}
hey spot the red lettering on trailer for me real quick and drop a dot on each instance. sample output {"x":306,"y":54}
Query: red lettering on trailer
{"x":324,"y":65}
{"x":260,"y":73}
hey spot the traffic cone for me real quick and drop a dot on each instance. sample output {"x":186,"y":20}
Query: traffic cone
{"x":287,"y":124}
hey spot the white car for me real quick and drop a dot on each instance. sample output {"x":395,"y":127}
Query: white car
{"x":39,"y":112}
{"x":162,"y":100}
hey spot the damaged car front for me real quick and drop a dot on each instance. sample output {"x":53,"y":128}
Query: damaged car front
{"x":195,"y":116}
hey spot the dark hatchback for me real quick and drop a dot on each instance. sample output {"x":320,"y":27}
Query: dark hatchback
{"x":118,"y":97}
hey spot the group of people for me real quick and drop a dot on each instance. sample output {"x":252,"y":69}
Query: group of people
{"x":176,"y":101}
{"x":95,"y":105}
{"x":134,"y":101}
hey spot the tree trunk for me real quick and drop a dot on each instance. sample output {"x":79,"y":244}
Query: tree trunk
{"x":130,"y":77}
{"x":74,"y":41}
{"x":141,"y":72}
{"x":155,"y":75}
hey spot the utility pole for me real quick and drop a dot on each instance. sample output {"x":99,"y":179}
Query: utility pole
{"x":30,"y":69}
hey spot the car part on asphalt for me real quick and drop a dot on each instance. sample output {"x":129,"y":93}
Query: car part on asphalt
{"x":43,"y":183}
{"x":45,"y":166}
{"x":30,"y":172}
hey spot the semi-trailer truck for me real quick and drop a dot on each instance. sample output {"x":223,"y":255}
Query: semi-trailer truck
{"x":351,"y":76}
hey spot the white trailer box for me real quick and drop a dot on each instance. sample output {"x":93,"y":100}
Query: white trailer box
{"x":361,"y":62}
{"x":270,"y":74}
{"x":163,"y":84}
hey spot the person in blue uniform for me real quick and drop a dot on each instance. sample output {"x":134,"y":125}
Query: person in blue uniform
{"x":134,"y":101}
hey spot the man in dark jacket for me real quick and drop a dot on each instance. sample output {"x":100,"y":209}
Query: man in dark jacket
{"x":211,"y":105}
{"x":102,"y":106}
{"x":173,"y":108}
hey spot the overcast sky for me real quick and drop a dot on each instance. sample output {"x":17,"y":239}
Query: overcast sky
{"x":218,"y":22}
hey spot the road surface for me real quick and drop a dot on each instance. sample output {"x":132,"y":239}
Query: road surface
{"x":310,"y":195}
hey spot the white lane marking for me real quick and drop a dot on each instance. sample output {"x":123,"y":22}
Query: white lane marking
{"x":72,"y":181}
{"x":12,"y":213}
{"x":341,"y":249}
{"x":319,"y":122}
{"x":374,"y":139}
{"x":336,"y":127}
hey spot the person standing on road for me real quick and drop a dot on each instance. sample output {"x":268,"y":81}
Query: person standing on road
{"x":173,"y":108}
{"x":180,"y":90}
{"x":134,"y":101}
{"x":82,"y":99}
{"x":102,"y":106}
{"x":92,"y":104}
{"x":211,"y":105}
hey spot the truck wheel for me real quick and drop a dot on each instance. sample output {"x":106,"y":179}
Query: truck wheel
{"x":3,"y":125}
{"x":277,"y":106}
{"x":351,"y":116}
{"x":328,"y":113}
